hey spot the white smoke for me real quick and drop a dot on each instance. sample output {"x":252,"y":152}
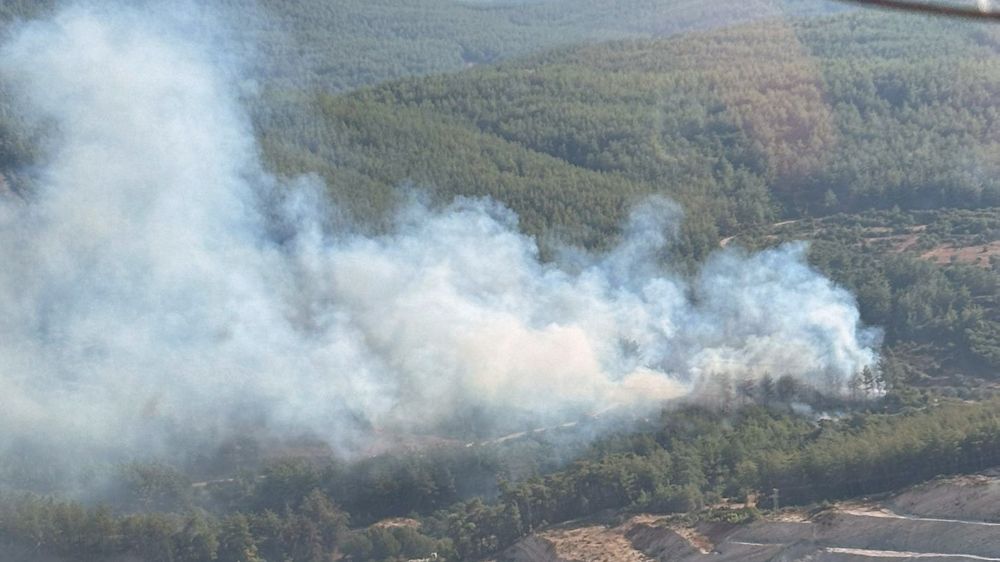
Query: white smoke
{"x":143,"y":292}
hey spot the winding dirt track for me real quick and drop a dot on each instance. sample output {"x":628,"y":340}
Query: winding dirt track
{"x":728,"y":239}
{"x":883,"y":512}
{"x":897,"y":554}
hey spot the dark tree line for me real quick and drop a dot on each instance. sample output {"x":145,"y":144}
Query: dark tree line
{"x":293,"y":510}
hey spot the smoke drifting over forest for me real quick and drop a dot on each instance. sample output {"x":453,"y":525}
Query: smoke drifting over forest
{"x":160,"y":283}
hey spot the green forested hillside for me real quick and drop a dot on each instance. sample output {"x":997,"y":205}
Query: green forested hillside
{"x":297,"y":52}
{"x":347,"y":43}
{"x":343,"y":44}
{"x":742,"y":126}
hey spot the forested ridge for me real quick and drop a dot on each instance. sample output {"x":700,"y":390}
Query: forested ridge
{"x":876,"y":135}
{"x":298,"y":509}
{"x":345,"y":44}
{"x":742,"y":126}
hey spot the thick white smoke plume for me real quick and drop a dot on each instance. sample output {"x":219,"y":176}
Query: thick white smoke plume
{"x":143,"y":292}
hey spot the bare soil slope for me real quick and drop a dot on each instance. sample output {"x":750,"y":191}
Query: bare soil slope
{"x":946,"y":520}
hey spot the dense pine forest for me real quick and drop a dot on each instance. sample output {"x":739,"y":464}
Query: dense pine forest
{"x":874,"y":137}
{"x":350,"y":43}
{"x":744,"y":127}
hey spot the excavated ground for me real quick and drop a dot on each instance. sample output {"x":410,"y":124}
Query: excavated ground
{"x":946,"y":520}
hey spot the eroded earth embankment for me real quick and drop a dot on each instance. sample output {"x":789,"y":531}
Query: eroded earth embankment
{"x":946,"y":520}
